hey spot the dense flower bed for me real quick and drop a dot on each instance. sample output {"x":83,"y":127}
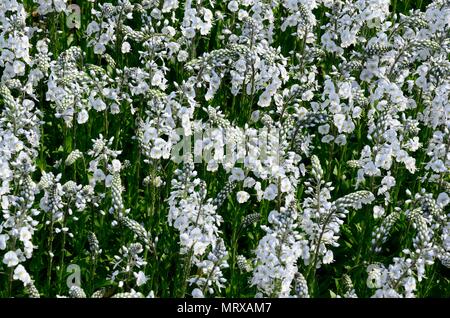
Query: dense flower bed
{"x":244,"y":148}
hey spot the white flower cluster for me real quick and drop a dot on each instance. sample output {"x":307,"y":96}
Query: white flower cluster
{"x":400,"y":279}
{"x":321,"y":130}
{"x":19,"y":143}
{"x":196,"y":219}
{"x":14,"y":40}
{"x":49,"y":6}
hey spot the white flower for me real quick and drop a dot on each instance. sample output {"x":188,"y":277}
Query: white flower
{"x":410,"y":164}
{"x":345,"y":90}
{"x":19,"y":67}
{"x":188,"y":32}
{"x":116,"y":165}
{"x":99,"y":48}
{"x":327,"y":139}
{"x":356,"y":113}
{"x":324,"y":129}
{"x":97,"y":103}
{"x":328,"y":258}
{"x":249,"y":182}
{"x":158,"y":79}
{"x":115,"y":109}
{"x":370,"y":169}
{"x":182,"y":56}
{"x":237,"y":174}
{"x":285,"y":185}
{"x":242,"y":196}
{"x":169,"y":30}
{"x":24,"y":234}
{"x":82,"y":117}
{"x":126,"y":47}
{"x":240,"y":65}
{"x":108,"y":180}
{"x":213,"y":165}
{"x":378,"y":211}
{"x":233,"y":6}
{"x":21,"y":274}
{"x":255,"y":116}
{"x":242,"y":14}
{"x":197,"y":293}
{"x":307,"y":96}
{"x":438,"y":166}
{"x":264,"y":99}
{"x":141,"y":279}
{"x":409,"y":284}
{"x":11,"y":259}
{"x":99,"y":175}
{"x":28,"y":248}
{"x":413,"y":144}
{"x":3,"y":239}
{"x":92,"y":27}
{"x":271,"y":192}
{"x":156,"y":153}
{"x":157,"y":181}
{"x":443,"y":199}
{"x":205,"y":27}
{"x":339,"y":120}
{"x":340,"y":140}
